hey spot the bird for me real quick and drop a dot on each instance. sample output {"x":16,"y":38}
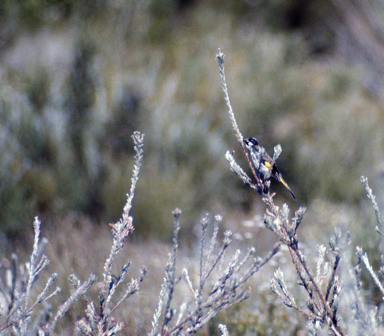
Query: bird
{"x":267,"y":167}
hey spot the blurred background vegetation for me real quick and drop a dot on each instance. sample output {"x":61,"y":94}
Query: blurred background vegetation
{"x":78,"y":77}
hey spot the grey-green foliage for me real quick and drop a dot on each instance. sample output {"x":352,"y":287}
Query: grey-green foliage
{"x":99,"y":316}
{"x":64,"y":143}
{"x":52,"y":153}
{"x":335,"y":301}
{"x":24,"y":312}
{"x":221,"y":283}
{"x":18,"y":283}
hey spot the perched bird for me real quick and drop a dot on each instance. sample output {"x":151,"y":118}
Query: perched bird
{"x":265,"y":166}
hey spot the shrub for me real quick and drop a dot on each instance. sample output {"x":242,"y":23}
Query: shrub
{"x":334,"y":300}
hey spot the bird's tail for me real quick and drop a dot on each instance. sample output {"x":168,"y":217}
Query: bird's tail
{"x":280,"y":178}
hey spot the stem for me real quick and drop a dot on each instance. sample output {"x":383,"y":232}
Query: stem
{"x":335,"y":328}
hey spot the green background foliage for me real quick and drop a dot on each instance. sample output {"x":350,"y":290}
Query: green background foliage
{"x":79,"y":77}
